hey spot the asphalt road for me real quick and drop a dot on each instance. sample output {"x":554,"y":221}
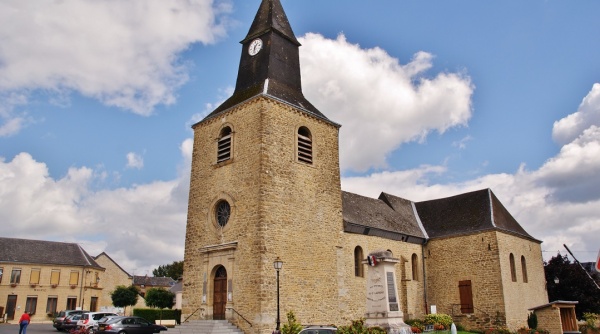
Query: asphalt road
{"x":31,"y":329}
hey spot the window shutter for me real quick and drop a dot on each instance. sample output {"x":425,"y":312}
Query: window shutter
{"x":74,"y":278}
{"x":35,"y":276}
{"x":466,"y":296}
{"x":54,"y":277}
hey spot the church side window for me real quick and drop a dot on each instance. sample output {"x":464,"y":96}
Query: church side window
{"x":224,"y":145}
{"x":513,"y":270}
{"x":524,"y":268}
{"x":415,"y":267}
{"x":358,"y":265}
{"x":305,"y":151}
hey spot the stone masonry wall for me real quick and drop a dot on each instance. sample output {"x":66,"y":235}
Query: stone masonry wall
{"x":112,"y":277}
{"x":549,"y":319}
{"x":470,"y":257}
{"x":526,"y":292}
{"x":353,"y":288}
{"x":280,"y":207}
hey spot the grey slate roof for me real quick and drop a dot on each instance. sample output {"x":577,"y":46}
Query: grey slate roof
{"x":14,"y":250}
{"x":467,"y":213}
{"x":153,"y":281}
{"x":275,"y":71}
{"x":376,"y":217}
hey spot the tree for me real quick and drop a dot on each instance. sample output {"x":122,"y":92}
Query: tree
{"x":160,"y":298}
{"x":573,"y":285}
{"x":173,"y":270}
{"x":124,"y":296}
{"x":292,"y":326}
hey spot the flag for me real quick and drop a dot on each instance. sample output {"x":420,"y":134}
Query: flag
{"x":372,"y":260}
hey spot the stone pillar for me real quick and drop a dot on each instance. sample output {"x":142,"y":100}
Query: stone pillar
{"x":383,"y":301}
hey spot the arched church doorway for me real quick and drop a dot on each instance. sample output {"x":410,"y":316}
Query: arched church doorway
{"x":220,"y":293}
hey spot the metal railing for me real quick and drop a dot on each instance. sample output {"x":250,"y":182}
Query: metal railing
{"x":241,"y":316}
{"x":189,"y":316}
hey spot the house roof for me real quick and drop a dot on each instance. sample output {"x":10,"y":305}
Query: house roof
{"x":177,"y":287}
{"x":13,"y":250}
{"x":113,"y":261}
{"x":387,"y":217}
{"x":153,"y":281}
{"x":467,"y":213}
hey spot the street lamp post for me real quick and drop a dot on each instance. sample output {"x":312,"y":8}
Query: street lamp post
{"x":277,"y":265}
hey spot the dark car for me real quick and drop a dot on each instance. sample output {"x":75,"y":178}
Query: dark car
{"x":129,"y":325}
{"x":70,"y":321}
{"x":319,"y":330}
{"x":58,"y":321}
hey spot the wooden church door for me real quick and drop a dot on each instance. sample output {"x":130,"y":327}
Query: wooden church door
{"x":220,"y":294}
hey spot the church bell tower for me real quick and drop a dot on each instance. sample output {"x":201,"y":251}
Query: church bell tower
{"x":265,"y":184}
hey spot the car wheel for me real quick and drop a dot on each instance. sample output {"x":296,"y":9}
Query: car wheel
{"x":122,"y":332}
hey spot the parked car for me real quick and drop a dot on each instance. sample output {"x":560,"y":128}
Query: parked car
{"x":104,"y":320}
{"x":88,"y":319}
{"x":129,"y":325}
{"x":58,"y":320}
{"x":70,"y":321}
{"x":318,"y":330}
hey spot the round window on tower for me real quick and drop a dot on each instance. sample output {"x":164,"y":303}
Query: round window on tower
{"x":223,"y":211}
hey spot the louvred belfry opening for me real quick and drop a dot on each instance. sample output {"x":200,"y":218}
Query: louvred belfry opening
{"x":305,"y":146}
{"x":224,"y":145}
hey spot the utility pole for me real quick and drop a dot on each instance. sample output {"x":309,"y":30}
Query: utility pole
{"x":568,"y":250}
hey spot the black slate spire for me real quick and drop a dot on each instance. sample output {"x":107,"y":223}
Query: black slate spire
{"x":269,"y":63}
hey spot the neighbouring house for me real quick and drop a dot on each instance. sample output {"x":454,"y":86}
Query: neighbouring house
{"x":44,"y":277}
{"x":143,"y":283}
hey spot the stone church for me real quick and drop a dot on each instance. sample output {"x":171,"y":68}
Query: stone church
{"x":265,"y":184}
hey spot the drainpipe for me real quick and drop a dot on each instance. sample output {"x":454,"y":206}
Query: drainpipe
{"x":81,"y":287}
{"x":424,"y":276}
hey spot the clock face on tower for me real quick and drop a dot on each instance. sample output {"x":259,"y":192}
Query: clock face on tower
{"x":255,"y":46}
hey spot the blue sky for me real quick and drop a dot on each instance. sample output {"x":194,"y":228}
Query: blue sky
{"x":434,"y":98}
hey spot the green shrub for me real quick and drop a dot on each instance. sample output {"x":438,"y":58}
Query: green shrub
{"x":438,"y":319}
{"x":590,"y":320}
{"x":460,"y":328}
{"x":358,"y":327}
{"x":416,"y":323}
{"x":292,"y":326}
{"x":532,"y":321}
{"x":152,"y":314}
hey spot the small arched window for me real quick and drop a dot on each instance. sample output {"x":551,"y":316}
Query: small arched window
{"x":224,"y":145}
{"x":305,"y":152}
{"x":358,"y":265}
{"x":513,"y":271}
{"x":524,"y":268}
{"x":414,"y":261}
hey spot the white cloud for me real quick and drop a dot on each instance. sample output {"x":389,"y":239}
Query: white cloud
{"x":123,"y":53}
{"x":379,"y":102}
{"x":135,"y":160}
{"x":141,"y":227}
{"x":570,"y":127}
{"x":558,"y":203}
